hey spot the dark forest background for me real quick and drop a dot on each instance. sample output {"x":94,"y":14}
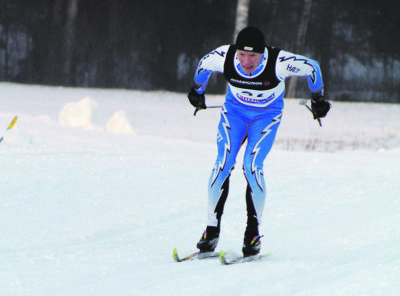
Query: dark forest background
{"x":156,"y":44}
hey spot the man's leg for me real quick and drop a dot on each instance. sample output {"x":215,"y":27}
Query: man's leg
{"x":260,"y":139}
{"x":231,"y":132}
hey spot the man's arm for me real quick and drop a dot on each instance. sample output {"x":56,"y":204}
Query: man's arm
{"x":212,"y":62}
{"x":289,"y":64}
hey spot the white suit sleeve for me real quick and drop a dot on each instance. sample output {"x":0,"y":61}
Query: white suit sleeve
{"x":212,"y":62}
{"x":289,"y":64}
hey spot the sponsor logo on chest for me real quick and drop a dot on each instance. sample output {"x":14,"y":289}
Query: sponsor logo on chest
{"x":255,"y":100}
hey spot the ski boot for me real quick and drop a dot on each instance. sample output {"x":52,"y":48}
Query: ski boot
{"x":251,"y":246}
{"x":209,"y":240}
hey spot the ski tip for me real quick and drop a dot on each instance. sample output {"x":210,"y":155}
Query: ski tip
{"x":175,"y":255}
{"x":228,"y":258}
{"x":222,"y":257}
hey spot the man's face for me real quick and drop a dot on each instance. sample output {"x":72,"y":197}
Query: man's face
{"x":249,"y":60}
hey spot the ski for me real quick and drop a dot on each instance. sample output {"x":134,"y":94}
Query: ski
{"x":10,"y":126}
{"x":228,"y":258}
{"x":195,"y":255}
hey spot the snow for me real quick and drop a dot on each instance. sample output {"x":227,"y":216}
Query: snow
{"x":98,"y":186}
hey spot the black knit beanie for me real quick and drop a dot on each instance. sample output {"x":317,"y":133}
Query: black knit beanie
{"x":250,"y":39}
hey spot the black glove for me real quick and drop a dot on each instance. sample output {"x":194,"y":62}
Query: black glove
{"x":319,"y":106}
{"x":197,"y":101}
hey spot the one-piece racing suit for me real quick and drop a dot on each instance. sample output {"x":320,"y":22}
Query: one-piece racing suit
{"x":252,"y":112}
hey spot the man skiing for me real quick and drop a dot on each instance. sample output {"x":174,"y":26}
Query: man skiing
{"x":252,"y":111}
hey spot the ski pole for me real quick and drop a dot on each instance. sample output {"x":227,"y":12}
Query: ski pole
{"x":304,"y":103}
{"x":207,"y":107}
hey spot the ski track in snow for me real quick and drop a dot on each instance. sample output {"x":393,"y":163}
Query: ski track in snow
{"x":92,"y":210}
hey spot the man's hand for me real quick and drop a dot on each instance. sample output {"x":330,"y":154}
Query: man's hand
{"x":198,"y":101}
{"x":319,"y":107}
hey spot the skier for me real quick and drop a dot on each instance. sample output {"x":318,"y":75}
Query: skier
{"x":252,"y":111}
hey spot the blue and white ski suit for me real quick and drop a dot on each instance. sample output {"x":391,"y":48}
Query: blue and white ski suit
{"x":252,"y":111}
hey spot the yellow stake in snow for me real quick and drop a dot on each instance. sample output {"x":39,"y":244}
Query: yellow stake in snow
{"x":10,"y":126}
{"x":12,"y":123}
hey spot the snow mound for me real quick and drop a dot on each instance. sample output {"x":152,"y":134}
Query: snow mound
{"x":119,"y":124}
{"x":81,"y":114}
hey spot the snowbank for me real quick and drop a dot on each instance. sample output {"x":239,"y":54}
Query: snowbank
{"x":80,"y":114}
{"x":83,"y":114}
{"x":119,"y":124}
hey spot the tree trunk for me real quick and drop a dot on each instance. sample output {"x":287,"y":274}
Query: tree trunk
{"x":271,"y":22}
{"x":300,"y":38}
{"x":107,"y":77}
{"x":54,"y":64}
{"x":325,"y":44}
{"x":4,"y":41}
{"x":242,"y":16}
{"x":69,"y":40}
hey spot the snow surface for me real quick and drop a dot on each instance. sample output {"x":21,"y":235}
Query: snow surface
{"x":98,"y":186}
